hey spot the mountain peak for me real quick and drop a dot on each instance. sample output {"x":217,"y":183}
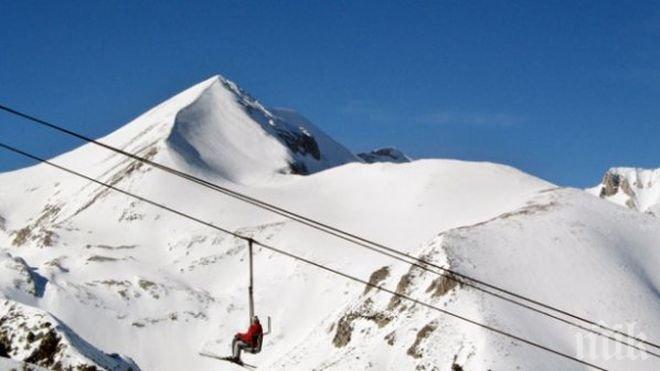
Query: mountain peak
{"x":227,"y":131}
{"x":218,"y":128}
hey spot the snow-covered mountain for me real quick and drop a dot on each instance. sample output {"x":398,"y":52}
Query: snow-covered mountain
{"x":135,"y":280}
{"x":638,"y":189}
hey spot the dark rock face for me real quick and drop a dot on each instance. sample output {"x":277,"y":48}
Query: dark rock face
{"x":30,"y":335}
{"x":365,"y":312}
{"x":45,"y":353}
{"x":613,"y":183}
{"x":384,"y":155}
{"x":414,"y":350}
{"x":376,"y":278}
{"x":298,"y":168}
{"x":299,"y":142}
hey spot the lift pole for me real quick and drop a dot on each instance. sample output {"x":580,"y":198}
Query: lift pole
{"x":250,"y":288}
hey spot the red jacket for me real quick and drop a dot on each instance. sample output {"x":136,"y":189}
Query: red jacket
{"x":250,"y":337}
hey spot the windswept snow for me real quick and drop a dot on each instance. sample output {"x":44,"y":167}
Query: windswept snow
{"x":133,"y":279}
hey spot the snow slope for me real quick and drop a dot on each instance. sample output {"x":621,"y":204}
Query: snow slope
{"x":166,"y":288}
{"x":637,"y":189}
{"x":562,"y":247}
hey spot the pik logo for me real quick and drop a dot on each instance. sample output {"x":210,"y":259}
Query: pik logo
{"x":592,"y":346}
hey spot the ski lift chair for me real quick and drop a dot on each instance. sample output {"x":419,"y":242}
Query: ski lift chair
{"x":260,"y":339}
{"x":257,"y":348}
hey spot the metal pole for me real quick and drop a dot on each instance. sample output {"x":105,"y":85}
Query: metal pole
{"x":250,"y":288}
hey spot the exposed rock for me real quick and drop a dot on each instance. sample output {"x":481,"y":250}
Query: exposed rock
{"x":56,"y":263}
{"x":121,"y":287}
{"x":44,"y":354}
{"x":300,"y":142}
{"x":344,"y":330}
{"x":101,"y":259}
{"x":30,"y":335}
{"x":376,"y":278}
{"x":613,"y":182}
{"x":442,"y":285}
{"x":390,"y":338}
{"x":401,"y":288}
{"x":384,"y":155}
{"x":634,"y":188}
{"x":21,"y":236}
{"x":297,"y":168}
{"x":39,"y":231}
{"x":185,"y":316}
{"x":414,"y":350}
{"x":150,"y":287}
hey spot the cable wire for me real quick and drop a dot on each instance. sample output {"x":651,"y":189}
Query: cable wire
{"x":363,"y":242}
{"x":304,"y":260}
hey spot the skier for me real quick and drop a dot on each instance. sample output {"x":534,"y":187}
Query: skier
{"x":248,"y":341}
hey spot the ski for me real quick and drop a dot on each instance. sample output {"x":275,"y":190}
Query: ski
{"x":229,"y":359}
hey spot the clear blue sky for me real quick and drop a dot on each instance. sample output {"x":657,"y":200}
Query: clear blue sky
{"x":563,"y":89}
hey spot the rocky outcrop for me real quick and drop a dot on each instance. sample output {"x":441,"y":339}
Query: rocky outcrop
{"x":612,"y":183}
{"x":39,"y":232}
{"x":365,"y":312}
{"x":376,"y":278}
{"x":415,"y":350}
{"x":637,"y":189}
{"x":384,"y":155}
{"x":30,"y":335}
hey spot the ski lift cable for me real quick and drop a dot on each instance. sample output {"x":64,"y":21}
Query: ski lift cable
{"x":374,"y":246}
{"x":357,"y":240}
{"x":305,"y":260}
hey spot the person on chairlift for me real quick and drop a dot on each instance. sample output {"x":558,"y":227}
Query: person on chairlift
{"x":249,"y":341}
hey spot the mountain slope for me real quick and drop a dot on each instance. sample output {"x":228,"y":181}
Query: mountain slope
{"x":563,"y":247}
{"x":100,"y":261}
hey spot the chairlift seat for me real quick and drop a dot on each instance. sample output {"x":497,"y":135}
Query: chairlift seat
{"x":256,"y":349}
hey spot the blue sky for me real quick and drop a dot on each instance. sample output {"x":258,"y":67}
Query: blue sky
{"x":561,"y":89}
